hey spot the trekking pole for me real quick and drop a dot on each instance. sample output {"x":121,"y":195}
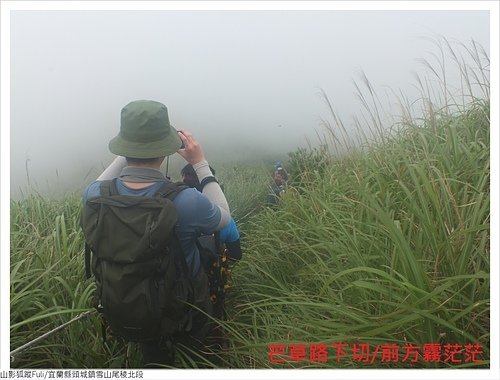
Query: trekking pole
{"x":24,"y":347}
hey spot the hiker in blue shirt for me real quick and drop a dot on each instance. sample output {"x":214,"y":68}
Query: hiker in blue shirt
{"x":229,"y":235}
{"x":219,"y":250}
{"x":146,"y":137}
{"x":280,"y":178}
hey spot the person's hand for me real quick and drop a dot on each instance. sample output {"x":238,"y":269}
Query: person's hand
{"x":192,"y":151}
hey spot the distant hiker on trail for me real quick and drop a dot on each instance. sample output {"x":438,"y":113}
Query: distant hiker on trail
{"x":280,"y":178}
{"x":219,"y":250}
{"x":142,"y":230}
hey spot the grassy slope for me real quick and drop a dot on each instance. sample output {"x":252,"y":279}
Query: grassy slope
{"x":389,"y":246}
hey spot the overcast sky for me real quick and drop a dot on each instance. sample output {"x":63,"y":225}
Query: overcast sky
{"x":239,"y":80}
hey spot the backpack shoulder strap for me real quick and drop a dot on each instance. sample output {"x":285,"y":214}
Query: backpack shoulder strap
{"x":108,"y":187}
{"x":170,"y":190}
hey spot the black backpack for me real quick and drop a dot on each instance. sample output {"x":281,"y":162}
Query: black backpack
{"x":143,"y":285}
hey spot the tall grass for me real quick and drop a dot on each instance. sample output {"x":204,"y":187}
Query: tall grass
{"x":391,"y":246}
{"x":246,"y":186}
{"x":383,"y":243}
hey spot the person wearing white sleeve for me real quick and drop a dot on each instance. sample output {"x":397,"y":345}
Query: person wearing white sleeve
{"x":146,"y":137}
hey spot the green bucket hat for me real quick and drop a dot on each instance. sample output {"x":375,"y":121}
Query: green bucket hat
{"x":145,"y":131}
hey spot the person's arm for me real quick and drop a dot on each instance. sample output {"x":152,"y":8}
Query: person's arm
{"x":193,"y":154}
{"x":212,"y":190}
{"x":114,"y":169}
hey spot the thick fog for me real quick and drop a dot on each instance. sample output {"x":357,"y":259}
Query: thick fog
{"x":247,"y":84}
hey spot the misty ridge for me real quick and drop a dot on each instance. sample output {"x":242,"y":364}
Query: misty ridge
{"x":227,"y":147}
{"x":78,"y":159}
{"x":78,"y":171}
